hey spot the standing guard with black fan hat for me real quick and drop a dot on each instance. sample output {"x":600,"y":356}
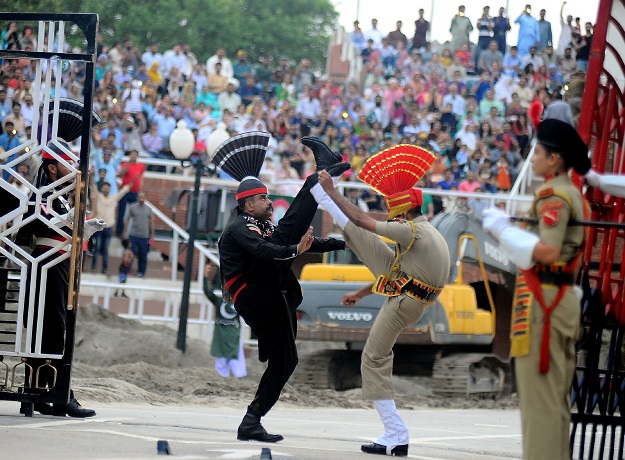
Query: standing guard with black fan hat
{"x":411,"y":277}
{"x":546,"y":307}
{"x":255,"y":260}
{"x":55,"y":209}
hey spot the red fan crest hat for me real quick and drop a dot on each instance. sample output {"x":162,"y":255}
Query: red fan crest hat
{"x":242,"y":157}
{"x":394,"y":172}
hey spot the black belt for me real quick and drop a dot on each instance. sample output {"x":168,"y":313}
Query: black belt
{"x":559,"y":279}
{"x":422,"y":292}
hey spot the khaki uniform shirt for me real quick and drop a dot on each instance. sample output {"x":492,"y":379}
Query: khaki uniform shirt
{"x":554,"y":212}
{"x":427,"y":260}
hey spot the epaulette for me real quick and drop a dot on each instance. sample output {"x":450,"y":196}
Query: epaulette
{"x":544,"y":193}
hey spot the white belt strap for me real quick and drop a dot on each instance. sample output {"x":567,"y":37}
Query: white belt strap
{"x":51,"y":242}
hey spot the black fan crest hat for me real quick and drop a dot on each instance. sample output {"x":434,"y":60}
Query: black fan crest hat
{"x":70,"y":118}
{"x":242,"y":157}
{"x":69,"y":127}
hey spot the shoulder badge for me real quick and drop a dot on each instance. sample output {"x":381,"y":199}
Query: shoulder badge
{"x":544,"y":193}
{"x":552,"y":205}
{"x":551,"y":218}
{"x":254,"y":228}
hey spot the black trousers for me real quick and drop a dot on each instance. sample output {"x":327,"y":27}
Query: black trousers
{"x":54,"y":319}
{"x":266,"y":309}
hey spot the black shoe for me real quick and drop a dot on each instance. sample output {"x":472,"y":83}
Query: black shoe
{"x":324,"y":157}
{"x":73,"y":409}
{"x":42,"y":408}
{"x":337,"y":169}
{"x":379,"y":449}
{"x":250,"y":429}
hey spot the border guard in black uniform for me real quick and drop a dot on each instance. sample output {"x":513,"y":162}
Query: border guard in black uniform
{"x":56,"y":209}
{"x":256,"y":257}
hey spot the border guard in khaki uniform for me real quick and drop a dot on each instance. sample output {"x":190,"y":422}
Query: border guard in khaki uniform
{"x":546,"y":306}
{"x":411,"y":277}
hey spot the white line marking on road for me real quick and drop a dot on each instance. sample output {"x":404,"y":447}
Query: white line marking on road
{"x":245,"y":453}
{"x":51,"y":423}
{"x":464,"y":438}
{"x":491,"y":426}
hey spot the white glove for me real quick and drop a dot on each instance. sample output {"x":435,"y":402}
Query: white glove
{"x":593,"y":178}
{"x":612,"y":184}
{"x":323,"y":200}
{"x":68,"y":217}
{"x":518,"y":245}
{"x":495,"y":221}
{"x":91,"y":227}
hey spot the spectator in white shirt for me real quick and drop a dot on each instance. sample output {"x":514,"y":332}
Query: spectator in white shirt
{"x":468,"y":137}
{"x":174,"y":58}
{"x":199,"y":76}
{"x":230,"y":99}
{"x":28,"y":108}
{"x":152,"y":55}
{"x":226,"y":64}
{"x":375,"y":34}
{"x":309,"y":107}
{"x":458,"y":104}
{"x":533,"y":58}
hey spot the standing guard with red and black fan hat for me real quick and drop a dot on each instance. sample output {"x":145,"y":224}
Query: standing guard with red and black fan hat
{"x":255,"y":258}
{"x":51,"y":241}
{"x":411,"y":276}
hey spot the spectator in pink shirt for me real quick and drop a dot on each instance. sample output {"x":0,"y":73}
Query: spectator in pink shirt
{"x":470,"y":184}
{"x":393,"y":93}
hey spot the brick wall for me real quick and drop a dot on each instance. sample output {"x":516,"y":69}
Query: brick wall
{"x":157,"y":188}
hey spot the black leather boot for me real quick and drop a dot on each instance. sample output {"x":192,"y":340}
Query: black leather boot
{"x":379,"y":449}
{"x":324,"y":157}
{"x":250,"y":428}
{"x":72,"y":408}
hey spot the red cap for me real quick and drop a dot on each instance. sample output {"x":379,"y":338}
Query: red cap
{"x":53,"y":148}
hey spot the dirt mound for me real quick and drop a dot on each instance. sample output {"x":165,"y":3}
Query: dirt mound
{"x":121,"y":360}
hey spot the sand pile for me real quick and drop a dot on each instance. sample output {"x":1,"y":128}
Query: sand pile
{"x":120,"y":360}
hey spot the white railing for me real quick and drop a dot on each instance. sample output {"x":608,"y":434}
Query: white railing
{"x":178,"y":234}
{"x":524,"y":180}
{"x":138,"y":294}
{"x":169,"y":165}
{"x":170,"y":298}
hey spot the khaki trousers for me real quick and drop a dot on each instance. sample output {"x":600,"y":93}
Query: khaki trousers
{"x":376,"y":366}
{"x":396,"y":313}
{"x":545,"y":398}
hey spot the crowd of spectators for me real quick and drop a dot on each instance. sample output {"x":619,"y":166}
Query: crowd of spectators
{"x":475,"y":105}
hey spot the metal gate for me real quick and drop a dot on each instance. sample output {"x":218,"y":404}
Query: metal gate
{"x":598,"y":391}
{"x":21,"y":326}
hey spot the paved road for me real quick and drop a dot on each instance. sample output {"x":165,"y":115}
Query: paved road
{"x":132,"y":431}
